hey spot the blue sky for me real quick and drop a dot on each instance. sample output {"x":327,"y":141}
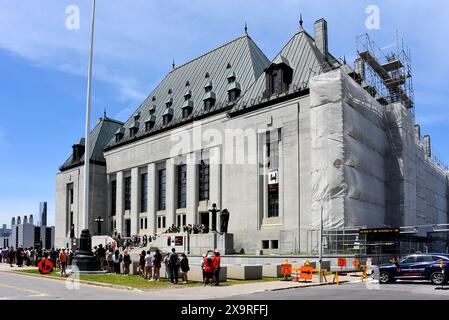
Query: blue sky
{"x":43,"y":67}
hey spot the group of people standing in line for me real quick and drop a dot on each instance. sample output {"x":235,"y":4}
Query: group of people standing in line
{"x":150,"y":265}
{"x":110,"y":259}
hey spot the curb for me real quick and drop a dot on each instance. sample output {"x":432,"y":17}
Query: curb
{"x":309,"y":286}
{"x":93,"y":283}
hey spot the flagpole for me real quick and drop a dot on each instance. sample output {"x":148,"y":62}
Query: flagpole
{"x":87,"y":133}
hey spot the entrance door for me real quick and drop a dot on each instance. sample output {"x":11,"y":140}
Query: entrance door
{"x":204,"y":218}
{"x":128,"y":228}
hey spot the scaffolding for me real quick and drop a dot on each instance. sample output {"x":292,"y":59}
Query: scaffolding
{"x":385,"y":74}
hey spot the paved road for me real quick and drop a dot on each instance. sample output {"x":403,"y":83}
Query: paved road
{"x":16,"y":286}
{"x":24,"y":287}
{"x":355,"y":291}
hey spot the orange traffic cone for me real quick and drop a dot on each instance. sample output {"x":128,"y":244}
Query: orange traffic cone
{"x":296,"y":278}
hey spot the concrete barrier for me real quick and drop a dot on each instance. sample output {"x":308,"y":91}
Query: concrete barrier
{"x":271,"y":270}
{"x":245,"y":272}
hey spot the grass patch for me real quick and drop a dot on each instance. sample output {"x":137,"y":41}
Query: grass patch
{"x":117,"y":279}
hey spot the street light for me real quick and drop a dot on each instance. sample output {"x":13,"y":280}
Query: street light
{"x":320,"y":259}
{"x":99,"y":221}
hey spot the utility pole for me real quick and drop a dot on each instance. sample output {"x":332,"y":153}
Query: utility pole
{"x":87,"y":133}
{"x":320,"y":259}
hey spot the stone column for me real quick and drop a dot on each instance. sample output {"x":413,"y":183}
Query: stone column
{"x":170,"y":207}
{"x":135,"y":205}
{"x":107,"y":217}
{"x":120,"y":205}
{"x":192,"y":188}
{"x":152,"y":201}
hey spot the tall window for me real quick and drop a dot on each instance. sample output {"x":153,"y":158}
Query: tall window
{"x":182,"y":186}
{"x":272,"y":156}
{"x":70,"y":193}
{"x":204,"y":180}
{"x":276,"y":83}
{"x":161,"y":222}
{"x":113,"y":197}
{"x":162,"y":189}
{"x":143,"y":192}
{"x":128,"y":193}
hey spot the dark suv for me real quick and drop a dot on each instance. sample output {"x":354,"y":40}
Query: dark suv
{"x":417,"y":267}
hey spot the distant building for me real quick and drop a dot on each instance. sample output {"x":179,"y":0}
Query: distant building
{"x":5,"y":235}
{"x":27,"y":234}
{"x":43,"y":213}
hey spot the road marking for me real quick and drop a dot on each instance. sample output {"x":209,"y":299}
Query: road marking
{"x":34,"y":292}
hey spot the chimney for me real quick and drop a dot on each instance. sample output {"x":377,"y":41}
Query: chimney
{"x":417,"y":133}
{"x":321,"y":39}
{"x":427,"y":146}
{"x":31,"y":219}
{"x":25,"y":220}
{"x":13,"y":221}
{"x":18,"y":220}
{"x":359,"y":66}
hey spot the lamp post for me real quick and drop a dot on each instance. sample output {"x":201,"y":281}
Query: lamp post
{"x":84,"y":259}
{"x":320,"y":259}
{"x":99,"y":221}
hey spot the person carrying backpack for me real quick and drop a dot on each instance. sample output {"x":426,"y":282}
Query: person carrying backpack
{"x":208,"y":267}
{"x":174,"y":266}
{"x":184,"y":267}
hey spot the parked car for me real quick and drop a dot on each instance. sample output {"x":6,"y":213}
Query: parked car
{"x":417,"y":267}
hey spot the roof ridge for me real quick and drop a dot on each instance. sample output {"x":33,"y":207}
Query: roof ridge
{"x":209,"y":52}
{"x":111,"y":120}
{"x":242,"y":96}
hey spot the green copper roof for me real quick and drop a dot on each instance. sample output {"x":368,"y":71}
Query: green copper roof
{"x":98,"y":139}
{"x":241,"y":56}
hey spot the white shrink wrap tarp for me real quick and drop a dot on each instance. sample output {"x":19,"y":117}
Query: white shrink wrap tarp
{"x":364,"y":159}
{"x":360,"y":128}
{"x":347,"y":147}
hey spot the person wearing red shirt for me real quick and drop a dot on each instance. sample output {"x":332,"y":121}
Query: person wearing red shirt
{"x":208,"y":268}
{"x":216,"y":262}
{"x":63,"y":260}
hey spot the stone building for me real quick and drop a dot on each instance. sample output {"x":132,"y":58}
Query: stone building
{"x":271,"y":141}
{"x":70,"y":179}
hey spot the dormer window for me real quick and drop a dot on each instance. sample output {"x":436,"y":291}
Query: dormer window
{"x":278,"y":76}
{"x":134,"y":129}
{"x":187,"y":106}
{"x":152,"y":109}
{"x":167,"y":116}
{"x":169,"y":102}
{"x":78,"y":151}
{"x":149,"y":123}
{"x":209,"y":96}
{"x":119,"y":134}
{"x":233,"y":88}
{"x":137,"y":116}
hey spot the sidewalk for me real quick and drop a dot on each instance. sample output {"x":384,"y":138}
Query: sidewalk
{"x":226,"y":291}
